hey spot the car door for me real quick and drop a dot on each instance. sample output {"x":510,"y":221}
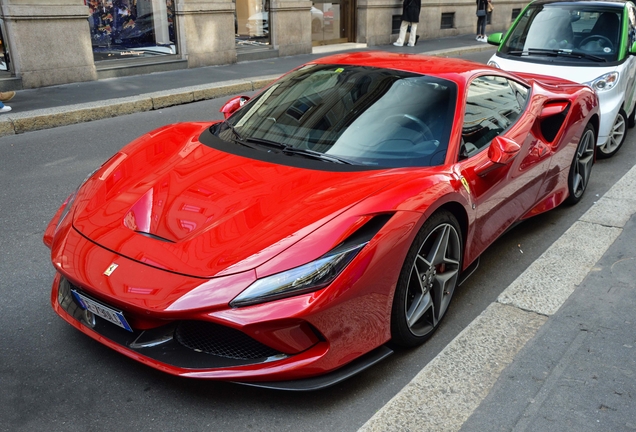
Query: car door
{"x":502,"y":194}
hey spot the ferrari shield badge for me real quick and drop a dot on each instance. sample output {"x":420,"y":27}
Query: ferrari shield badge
{"x":111,"y":268}
{"x":465,"y":183}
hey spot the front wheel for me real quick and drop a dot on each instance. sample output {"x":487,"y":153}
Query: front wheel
{"x":616,"y":137}
{"x":427,"y":281}
{"x":581,"y":167}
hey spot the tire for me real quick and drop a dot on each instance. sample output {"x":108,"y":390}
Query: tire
{"x":616,"y":137}
{"x":631,"y":120}
{"x":427,"y":281}
{"x":581,"y":166}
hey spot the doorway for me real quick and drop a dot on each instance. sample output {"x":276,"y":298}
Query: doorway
{"x":333,"y":22}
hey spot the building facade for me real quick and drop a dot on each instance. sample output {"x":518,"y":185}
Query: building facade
{"x":49,"y":42}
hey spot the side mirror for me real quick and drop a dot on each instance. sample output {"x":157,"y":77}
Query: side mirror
{"x":632,"y":49}
{"x":495,"y":39}
{"x":233,"y":105}
{"x":501,"y":152}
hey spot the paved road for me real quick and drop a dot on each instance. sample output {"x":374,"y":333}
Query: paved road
{"x":54,"y":378}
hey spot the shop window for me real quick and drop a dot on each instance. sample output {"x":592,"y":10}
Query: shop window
{"x":251,"y":23}
{"x":448,"y":20}
{"x":4,"y":55}
{"x":131,"y":28}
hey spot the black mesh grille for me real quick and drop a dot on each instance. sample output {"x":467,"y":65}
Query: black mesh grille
{"x":221,"y":341}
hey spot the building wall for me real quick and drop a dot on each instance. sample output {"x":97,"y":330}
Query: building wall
{"x":206,"y":32}
{"x":50,"y":42}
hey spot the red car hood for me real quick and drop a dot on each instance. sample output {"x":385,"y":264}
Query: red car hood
{"x":173,"y":203}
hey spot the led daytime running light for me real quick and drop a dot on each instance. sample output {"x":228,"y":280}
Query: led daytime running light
{"x":306,"y":278}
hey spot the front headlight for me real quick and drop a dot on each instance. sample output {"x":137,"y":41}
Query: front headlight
{"x":306,"y":278}
{"x":493,"y":64}
{"x":604,"y":82}
{"x":71,"y":199}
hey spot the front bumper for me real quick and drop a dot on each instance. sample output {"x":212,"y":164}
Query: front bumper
{"x":247,"y":361}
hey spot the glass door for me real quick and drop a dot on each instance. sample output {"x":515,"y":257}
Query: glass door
{"x":331,"y":22}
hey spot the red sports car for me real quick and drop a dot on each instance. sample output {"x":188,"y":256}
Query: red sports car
{"x":334,"y":212}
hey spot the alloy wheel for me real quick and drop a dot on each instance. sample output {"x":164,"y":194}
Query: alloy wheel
{"x":583,"y":162}
{"x":432,"y":279}
{"x":615,"y":138}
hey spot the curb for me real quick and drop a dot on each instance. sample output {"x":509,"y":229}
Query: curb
{"x":444,"y":394}
{"x":71,"y":114}
{"x":28,"y":121}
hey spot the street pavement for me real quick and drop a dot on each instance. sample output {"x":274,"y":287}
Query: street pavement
{"x":556,"y":350}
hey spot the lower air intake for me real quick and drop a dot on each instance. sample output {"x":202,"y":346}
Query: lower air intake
{"x":221,"y":341}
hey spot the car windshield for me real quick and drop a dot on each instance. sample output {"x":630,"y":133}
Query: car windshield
{"x":350,"y":114}
{"x":570,"y":31}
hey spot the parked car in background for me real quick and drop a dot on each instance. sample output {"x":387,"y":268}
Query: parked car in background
{"x":587,"y":41}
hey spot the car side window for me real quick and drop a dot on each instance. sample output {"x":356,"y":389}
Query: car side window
{"x":493,"y":104}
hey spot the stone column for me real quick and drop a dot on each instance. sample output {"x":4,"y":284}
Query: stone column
{"x":49,"y":41}
{"x":206,"y":31}
{"x":290,"y":26}
{"x":375,"y":19}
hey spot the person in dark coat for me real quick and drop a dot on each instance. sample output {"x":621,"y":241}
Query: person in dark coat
{"x":410,"y":16}
{"x":482,"y":12}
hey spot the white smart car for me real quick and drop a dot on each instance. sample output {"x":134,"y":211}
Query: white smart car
{"x":589,"y":41}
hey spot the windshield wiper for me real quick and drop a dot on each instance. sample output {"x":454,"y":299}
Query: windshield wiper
{"x":287,"y":149}
{"x":557,"y":52}
{"x":231,"y":127}
{"x":237,"y":136}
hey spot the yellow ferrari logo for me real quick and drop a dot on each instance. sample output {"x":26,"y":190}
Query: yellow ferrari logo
{"x":465,"y":183}
{"x":111,"y":268}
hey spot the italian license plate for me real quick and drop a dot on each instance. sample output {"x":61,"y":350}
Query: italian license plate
{"x":101,"y":310}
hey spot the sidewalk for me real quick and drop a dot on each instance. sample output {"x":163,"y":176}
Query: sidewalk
{"x":555,"y":352}
{"x":61,"y":105}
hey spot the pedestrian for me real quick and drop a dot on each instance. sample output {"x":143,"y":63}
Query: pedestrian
{"x":5,"y":97}
{"x":410,"y":16}
{"x":482,"y":5}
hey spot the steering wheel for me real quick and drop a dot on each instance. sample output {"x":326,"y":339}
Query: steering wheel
{"x":599,"y":38}
{"x":423,"y":128}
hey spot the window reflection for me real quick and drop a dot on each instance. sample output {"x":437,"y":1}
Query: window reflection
{"x":251,"y":23}
{"x":493,"y":104}
{"x":326,"y":23}
{"x":131,"y":28}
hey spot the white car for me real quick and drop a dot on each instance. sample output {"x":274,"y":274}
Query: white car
{"x":590,"y":42}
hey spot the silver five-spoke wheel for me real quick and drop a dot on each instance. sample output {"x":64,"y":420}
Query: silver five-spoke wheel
{"x":581,"y":165}
{"x":428,"y":280}
{"x":616,"y":137}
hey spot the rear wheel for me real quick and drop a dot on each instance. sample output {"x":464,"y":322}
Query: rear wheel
{"x":427,"y":281}
{"x":616,"y":137}
{"x":581,"y":167}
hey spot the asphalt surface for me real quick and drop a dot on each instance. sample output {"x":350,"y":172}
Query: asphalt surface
{"x":54,"y":378}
